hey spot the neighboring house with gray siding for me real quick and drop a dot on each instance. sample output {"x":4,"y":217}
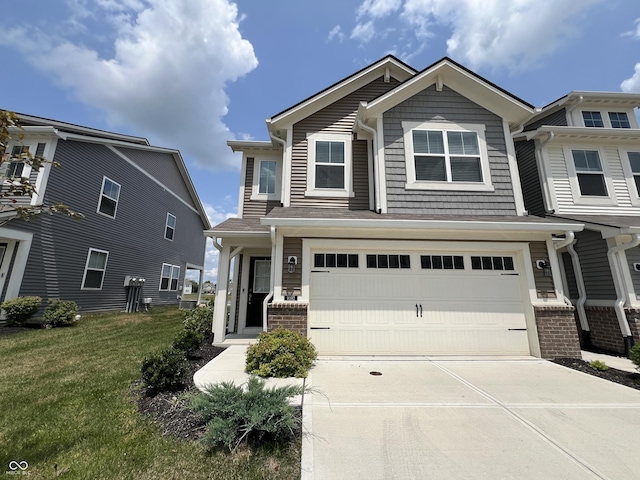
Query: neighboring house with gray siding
{"x":384,"y":215}
{"x":579,"y":160}
{"x":142,"y":219}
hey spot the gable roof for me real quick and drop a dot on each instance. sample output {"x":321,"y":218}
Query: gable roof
{"x":459,"y":78}
{"x":388,"y":66}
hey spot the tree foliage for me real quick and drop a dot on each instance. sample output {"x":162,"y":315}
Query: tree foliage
{"x":14,"y":188}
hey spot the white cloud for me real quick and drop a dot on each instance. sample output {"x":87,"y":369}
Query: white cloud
{"x":484,"y":33}
{"x":632,"y":84}
{"x":634,"y":33}
{"x":336,"y":32}
{"x":166,"y":78}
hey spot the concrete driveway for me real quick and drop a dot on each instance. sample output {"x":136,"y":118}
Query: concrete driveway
{"x":467,"y":419}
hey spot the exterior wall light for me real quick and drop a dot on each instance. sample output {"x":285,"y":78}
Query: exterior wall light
{"x":545,"y":266}
{"x":291,"y":263}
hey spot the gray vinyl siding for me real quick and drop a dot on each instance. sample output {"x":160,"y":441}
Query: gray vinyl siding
{"x":445,"y":106}
{"x":544,"y":285}
{"x":592,"y":251}
{"x":162,"y":166}
{"x":337,"y":118}
{"x":570,"y":276}
{"x":254,"y":208}
{"x":134,"y":239}
{"x":633,"y":256}
{"x":292,"y":282}
{"x":558,"y":118}
{"x":530,"y":178}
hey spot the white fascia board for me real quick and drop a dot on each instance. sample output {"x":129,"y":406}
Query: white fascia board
{"x":235,"y":233}
{"x":293,"y":115}
{"x":600,"y":134}
{"x":630,"y":99}
{"x":30,"y":131}
{"x":484,"y":94}
{"x":423,"y":224}
{"x":243,"y":145}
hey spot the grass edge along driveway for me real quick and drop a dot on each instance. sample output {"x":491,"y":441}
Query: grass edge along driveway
{"x":66,"y":407}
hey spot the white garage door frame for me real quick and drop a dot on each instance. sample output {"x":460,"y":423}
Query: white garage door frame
{"x":519,"y":250}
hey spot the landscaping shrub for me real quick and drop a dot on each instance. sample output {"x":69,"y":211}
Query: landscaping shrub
{"x":188,"y":341}
{"x":258,"y":414}
{"x":634,"y":354}
{"x":598,"y":365}
{"x":164,"y":370}
{"x":281,"y":353}
{"x":199,"y":319}
{"x":60,"y":313}
{"x":20,"y":309}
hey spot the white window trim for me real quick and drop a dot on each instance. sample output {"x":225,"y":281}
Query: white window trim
{"x":578,"y":198}
{"x":26,"y":171}
{"x":115,"y":212}
{"x":413,"y":184}
{"x":628,"y":174}
{"x":173,"y":268}
{"x":170,"y":277}
{"x":604,"y":113}
{"x":255,"y":187}
{"x":86,"y":268}
{"x":311,"y":190}
{"x":166,"y":226}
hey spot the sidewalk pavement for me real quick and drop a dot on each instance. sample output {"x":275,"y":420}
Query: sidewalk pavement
{"x":619,"y":363}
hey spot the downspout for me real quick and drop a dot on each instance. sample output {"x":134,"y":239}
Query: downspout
{"x":267,"y":299}
{"x":545,"y":184}
{"x":376,"y":176}
{"x":568,"y":238}
{"x":572,"y":108}
{"x":284,"y":154}
{"x":614,"y":261}
{"x":568,"y":242}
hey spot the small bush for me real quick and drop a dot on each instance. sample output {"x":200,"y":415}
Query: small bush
{"x":281,"y":353}
{"x":188,"y":341}
{"x":20,"y":309}
{"x":634,"y":354}
{"x":598,"y":365}
{"x":164,"y":370}
{"x":256,"y":415}
{"x":199,"y":319}
{"x":60,"y":313}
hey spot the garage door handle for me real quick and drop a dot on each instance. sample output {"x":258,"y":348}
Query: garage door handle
{"x":320,"y":271}
{"x":416,"y":310}
{"x":513,"y":274}
{"x":420,"y":310}
{"x":319,"y":328}
{"x":517,"y":329}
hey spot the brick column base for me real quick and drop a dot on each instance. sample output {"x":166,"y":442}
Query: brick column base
{"x":633,"y":317}
{"x":605,"y":328}
{"x":292,"y":316}
{"x":557,"y":332}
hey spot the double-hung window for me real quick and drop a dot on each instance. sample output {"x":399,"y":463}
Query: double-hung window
{"x":592,"y":119}
{"x":589,"y":172}
{"x":329,"y":165}
{"x":17,"y":166}
{"x":266,"y":178}
{"x":169,"y":277}
{"x":94,"y":269}
{"x":109,"y":196}
{"x":446,"y":157}
{"x":170,"y":227}
{"x":619,"y":120}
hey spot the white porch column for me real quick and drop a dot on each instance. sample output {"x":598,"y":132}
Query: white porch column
{"x":220,"y":305}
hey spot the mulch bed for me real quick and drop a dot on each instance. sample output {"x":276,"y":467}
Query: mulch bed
{"x":622,"y":377}
{"x":169,"y":409}
{"x":6,"y":330}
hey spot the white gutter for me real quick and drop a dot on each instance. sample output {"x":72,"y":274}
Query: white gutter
{"x":216,"y":244}
{"x":572,"y":108}
{"x":376,"y":177}
{"x":545,"y":183}
{"x":267,"y":299}
{"x":284,"y":171}
{"x":614,"y":261}
{"x":568,"y":242}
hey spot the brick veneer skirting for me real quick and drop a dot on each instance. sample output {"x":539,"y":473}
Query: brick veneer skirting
{"x":292,"y":316}
{"x":633,"y":317}
{"x":605,"y":329}
{"x":557,"y":332}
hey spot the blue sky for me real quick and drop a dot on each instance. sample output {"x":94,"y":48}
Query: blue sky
{"x":193,"y":74}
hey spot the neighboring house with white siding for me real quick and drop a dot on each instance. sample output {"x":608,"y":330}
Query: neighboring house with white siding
{"x":385,"y":216}
{"x":579,"y":160}
{"x":142,"y":219}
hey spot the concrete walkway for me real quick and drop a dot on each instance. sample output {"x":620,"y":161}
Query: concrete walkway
{"x":620,"y":363}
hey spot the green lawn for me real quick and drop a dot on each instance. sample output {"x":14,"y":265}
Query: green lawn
{"x":64,"y":400}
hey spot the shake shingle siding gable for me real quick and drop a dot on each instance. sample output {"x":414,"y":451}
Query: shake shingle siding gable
{"x":445,"y":106}
{"x":337,"y":118}
{"x":134,"y":238}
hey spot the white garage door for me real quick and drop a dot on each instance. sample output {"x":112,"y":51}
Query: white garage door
{"x":417,"y":303}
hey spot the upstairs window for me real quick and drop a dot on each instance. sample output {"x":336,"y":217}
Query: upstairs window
{"x":267,"y":176}
{"x":592,"y":119}
{"x":446,"y":157}
{"x":170,"y":227}
{"x":619,"y":120}
{"x":634,"y":163}
{"x":16,"y":167}
{"x":590,"y":173}
{"x":329,"y":165}
{"x":109,"y":197}
{"x":94,"y":269}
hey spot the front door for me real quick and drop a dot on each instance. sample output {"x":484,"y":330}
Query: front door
{"x":259,"y":288}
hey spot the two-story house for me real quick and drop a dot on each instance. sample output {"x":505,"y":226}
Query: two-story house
{"x":143,"y":220}
{"x":385,"y":216}
{"x":579,"y":160}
